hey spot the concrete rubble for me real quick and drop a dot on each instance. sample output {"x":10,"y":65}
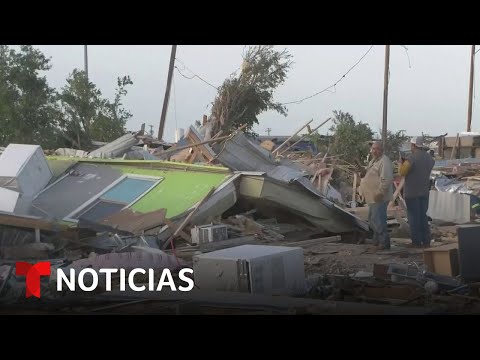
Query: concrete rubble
{"x":251,"y":221}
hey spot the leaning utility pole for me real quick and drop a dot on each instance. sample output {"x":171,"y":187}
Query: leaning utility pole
{"x":167,"y":92}
{"x":85,"y":56}
{"x":385,"y":94}
{"x":470,"y":90}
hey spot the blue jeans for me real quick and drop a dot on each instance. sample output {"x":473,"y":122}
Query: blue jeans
{"x":377,"y":219}
{"x":417,"y":220}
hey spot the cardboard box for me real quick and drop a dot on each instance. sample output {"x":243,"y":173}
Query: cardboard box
{"x":442,"y":259}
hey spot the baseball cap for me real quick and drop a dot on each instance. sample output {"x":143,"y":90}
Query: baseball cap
{"x":417,"y":140}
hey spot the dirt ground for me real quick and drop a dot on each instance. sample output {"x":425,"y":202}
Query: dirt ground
{"x":344,"y":259}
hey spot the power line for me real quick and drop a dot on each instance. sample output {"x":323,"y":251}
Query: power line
{"x":194,"y":75}
{"x":175,"y":103}
{"x":408,"y":57}
{"x":334,"y":85}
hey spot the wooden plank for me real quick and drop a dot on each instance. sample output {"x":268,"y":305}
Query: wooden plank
{"x":195,"y":155}
{"x":214,"y":246}
{"x":174,"y":227}
{"x":31,"y":223}
{"x":397,"y":192}
{"x":201,"y":151}
{"x":291,"y":137}
{"x":189,"y":217}
{"x":310,"y":242}
{"x":303,"y":137}
{"x":455,"y":147}
{"x":354,"y":189}
{"x":217,"y":135}
{"x":193,"y":145}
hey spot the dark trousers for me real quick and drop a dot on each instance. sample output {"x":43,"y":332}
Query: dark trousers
{"x":417,"y":220}
{"x":377,"y":219}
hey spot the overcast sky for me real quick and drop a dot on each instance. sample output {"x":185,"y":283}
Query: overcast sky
{"x":430,"y":94}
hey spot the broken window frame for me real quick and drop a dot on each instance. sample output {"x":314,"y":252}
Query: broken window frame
{"x":87,"y":204}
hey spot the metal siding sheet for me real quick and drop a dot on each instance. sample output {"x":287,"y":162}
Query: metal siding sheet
{"x":302,"y":203}
{"x":115,"y":148}
{"x":240,"y":154}
{"x":449,"y":207}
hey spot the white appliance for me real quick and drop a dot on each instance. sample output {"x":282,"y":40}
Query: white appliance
{"x":24,"y":169}
{"x":256,"y":269}
{"x":209,"y":233}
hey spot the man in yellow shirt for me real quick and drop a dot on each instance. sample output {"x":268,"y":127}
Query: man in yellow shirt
{"x":377,"y":189}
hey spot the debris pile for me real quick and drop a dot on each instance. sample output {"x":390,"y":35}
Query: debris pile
{"x":139,"y":203}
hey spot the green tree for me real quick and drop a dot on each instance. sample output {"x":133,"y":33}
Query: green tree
{"x":28,"y":111}
{"x":242,"y":98}
{"x":111,"y":120}
{"x":394,"y":143}
{"x":31,"y":112}
{"x":80,"y":101}
{"x":350,"y":139}
{"x":87,"y":116}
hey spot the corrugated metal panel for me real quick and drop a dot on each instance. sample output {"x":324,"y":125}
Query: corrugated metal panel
{"x":139,"y":155}
{"x":449,"y":207}
{"x":115,"y":148}
{"x":240,"y":154}
{"x":443,"y":163}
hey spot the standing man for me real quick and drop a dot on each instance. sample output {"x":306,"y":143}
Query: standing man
{"x":377,"y":188}
{"x":416,"y":169}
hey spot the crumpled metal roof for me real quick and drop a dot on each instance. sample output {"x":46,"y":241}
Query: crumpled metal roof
{"x":240,"y":154}
{"x":115,"y":148}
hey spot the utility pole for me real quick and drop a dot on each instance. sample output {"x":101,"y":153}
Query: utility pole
{"x":167,"y":92}
{"x":268,"y":131}
{"x":385,"y":94}
{"x":470,"y":90}
{"x":85,"y":56}
{"x":151,"y":130}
